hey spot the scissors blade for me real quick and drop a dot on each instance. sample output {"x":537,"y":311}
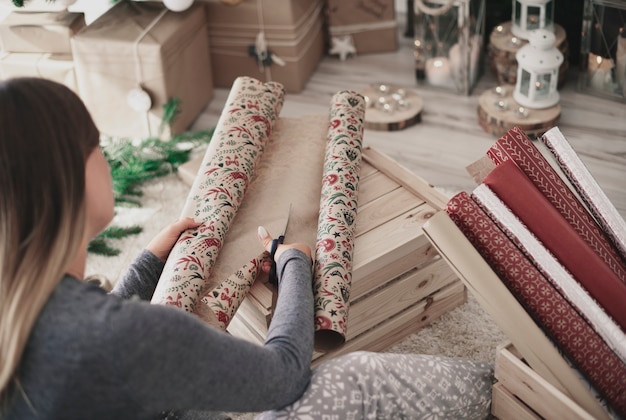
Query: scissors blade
{"x":272,"y":275}
{"x":286,"y":222}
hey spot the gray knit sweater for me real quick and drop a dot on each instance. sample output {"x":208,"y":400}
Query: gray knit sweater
{"x":93,"y":355}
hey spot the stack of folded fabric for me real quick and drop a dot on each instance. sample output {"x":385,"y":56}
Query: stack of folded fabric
{"x":544,"y":250}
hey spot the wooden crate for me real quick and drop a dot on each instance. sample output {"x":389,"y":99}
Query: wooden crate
{"x":399,"y":284}
{"x":520,"y":393}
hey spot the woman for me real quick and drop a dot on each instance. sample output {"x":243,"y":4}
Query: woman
{"x":69,"y":350}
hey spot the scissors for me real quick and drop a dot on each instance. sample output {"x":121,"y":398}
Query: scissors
{"x":273,"y":277}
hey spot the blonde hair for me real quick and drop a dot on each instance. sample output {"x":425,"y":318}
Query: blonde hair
{"x":47,"y":135}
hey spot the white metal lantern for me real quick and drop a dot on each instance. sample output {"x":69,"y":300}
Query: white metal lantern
{"x":530,"y":15}
{"x":538,"y":71}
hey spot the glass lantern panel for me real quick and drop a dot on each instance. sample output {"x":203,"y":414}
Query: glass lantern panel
{"x":525,"y":83}
{"x":549,"y":13}
{"x":448,"y":43}
{"x":542,"y":85}
{"x":603,"y":49}
{"x":533,"y":18}
{"x":517,"y":13}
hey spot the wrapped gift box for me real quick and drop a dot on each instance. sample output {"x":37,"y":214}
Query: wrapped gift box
{"x":39,"y":32}
{"x":143,"y":45}
{"x":293,"y":33}
{"x":57,"y":67}
{"x":371,"y":24}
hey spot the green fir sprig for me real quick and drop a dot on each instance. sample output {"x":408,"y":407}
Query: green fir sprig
{"x":134,"y":162}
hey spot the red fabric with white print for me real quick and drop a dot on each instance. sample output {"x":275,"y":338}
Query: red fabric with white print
{"x":550,"y":310}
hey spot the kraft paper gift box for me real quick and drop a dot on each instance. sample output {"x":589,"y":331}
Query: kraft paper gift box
{"x":39,"y":32}
{"x":371,"y":24}
{"x":294,"y":39}
{"x":57,"y":67}
{"x":142,"y":45}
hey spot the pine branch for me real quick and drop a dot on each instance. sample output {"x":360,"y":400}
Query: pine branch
{"x":134,"y":162}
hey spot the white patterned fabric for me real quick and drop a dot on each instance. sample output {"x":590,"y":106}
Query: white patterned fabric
{"x":365,"y":385}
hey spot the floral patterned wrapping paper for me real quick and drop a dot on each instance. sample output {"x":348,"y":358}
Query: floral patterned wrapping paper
{"x":224,"y":175}
{"x":336,"y":222}
{"x":226,"y":298}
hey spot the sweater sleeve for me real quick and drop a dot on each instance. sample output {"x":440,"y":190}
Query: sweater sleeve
{"x":141,"y":278}
{"x":171,"y":360}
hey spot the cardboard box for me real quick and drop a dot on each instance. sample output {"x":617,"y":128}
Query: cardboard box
{"x":142,"y":44}
{"x":39,"y":32}
{"x":294,"y":35}
{"x":521,"y":393}
{"x":371,"y":24}
{"x":57,"y":67}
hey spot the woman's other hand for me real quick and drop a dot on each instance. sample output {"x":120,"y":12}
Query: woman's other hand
{"x":163,"y":243}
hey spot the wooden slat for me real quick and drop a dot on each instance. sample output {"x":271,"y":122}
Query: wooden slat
{"x":384,"y":208}
{"x":366,"y":170}
{"x":404,"y":177}
{"x":413,"y":259}
{"x":505,"y":406}
{"x":403,"y":324}
{"x":373,"y":187}
{"x":408,"y":290}
{"x":523,"y":382}
{"x":387,"y":244}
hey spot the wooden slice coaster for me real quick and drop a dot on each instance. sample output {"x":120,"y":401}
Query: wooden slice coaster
{"x":391,"y":108}
{"x":503,"y":46}
{"x":498,"y":112}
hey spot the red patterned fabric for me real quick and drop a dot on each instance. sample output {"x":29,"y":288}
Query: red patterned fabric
{"x":514,"y":188}
{"x":580,"y":343}
{"x":517,"y":147}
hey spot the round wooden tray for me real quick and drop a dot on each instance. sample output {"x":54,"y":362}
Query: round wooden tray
{"x":503,"y":46}
{"x":400,"y":108}
{"x":498,"y":112}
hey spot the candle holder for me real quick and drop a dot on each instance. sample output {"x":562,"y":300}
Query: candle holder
{"x":530,"y":15}
{"x":538,"y":71}
{"x":498,"y":112}
{"x":448,"y":43}
{"x":603,"y":49}
{"x":391,"y":108}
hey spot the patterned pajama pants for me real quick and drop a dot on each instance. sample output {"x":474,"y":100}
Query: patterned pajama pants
{"x":365,"y":385}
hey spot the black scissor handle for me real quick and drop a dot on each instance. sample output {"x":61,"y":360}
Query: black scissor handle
{"x":273,"y":277}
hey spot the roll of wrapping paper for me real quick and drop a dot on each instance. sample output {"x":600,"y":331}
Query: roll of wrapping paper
{"x":338,"y":208}
{"x":225,"y":299}
{"x":223,"y":177}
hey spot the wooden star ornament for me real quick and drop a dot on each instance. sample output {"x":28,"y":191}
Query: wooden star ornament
{"x":343,"y":46}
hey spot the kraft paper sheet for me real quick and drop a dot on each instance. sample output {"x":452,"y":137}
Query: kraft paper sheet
{"x":226,"y":171}
{"x":336,"y":223}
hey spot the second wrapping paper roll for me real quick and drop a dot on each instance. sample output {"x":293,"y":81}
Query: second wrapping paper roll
{"x":337,"y":215}
{"x":224,"y":175}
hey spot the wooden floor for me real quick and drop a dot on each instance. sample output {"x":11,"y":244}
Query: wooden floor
{"x":449,"y":137}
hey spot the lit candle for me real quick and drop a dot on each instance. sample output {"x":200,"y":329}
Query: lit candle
{"x":438,"y":72}
{"x":599,"y":69}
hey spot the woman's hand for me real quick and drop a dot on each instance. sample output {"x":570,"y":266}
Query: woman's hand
{"x":165,"y":240}
{"x":266,"y":241}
